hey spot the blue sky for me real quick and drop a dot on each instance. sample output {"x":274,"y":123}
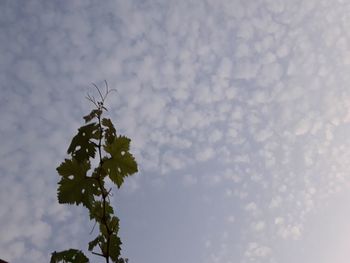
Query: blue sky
{"x":238,"y":111}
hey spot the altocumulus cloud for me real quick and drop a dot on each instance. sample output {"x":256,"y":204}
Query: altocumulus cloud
{"x":242,"y":107}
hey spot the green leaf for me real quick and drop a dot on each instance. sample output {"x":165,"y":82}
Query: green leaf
{"x":114,"y":247}
{"x":98,"y":240}
{"x":75,"y":186}
{"x":71,"y":255}
{"x":110,"y":132}
{"x":103,"y":230}
{"x":96,"y":211}
{"x":93,"y":114}
{"x":81,"y":148}
{"x":114,"y":224}
{"x":121,"y":163}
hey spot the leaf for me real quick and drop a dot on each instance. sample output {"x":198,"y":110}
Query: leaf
{"x":104,"y":232}
{"x":92,"y":244}
{"x":121,"y":163}
{"x":114,"y":247}
{"x":81,"y":147}
{"x":75,"y":186}
{"x":114,"y":224}
{"x":110,"y":132}
{"x":93,"y":114}
{"x":71,"y":255}
{"x":96,"y":211}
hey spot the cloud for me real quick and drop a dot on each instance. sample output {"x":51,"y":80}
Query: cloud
{"x":256,"y":251}
{"x":246,"y":70}
{"x":290,"y":231}
{"x":189,"y":180}
{"x":205,"y":155}
{"x":254,"y":93}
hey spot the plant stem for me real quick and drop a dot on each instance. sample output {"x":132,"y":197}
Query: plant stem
{"x":103,"y":190}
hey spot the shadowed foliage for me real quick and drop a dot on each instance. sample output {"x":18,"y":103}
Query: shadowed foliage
{"x":81,"y":185}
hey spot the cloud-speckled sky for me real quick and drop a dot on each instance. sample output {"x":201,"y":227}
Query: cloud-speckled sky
{"x":238,"y":111}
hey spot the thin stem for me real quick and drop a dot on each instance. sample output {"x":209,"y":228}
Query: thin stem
{"x":99,"y":92}
{"x":98,"y":254}
{"x":104,"y":192}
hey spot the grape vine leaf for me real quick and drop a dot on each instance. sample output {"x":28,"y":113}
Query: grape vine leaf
{"x":97,"y":211}
{"x":69,"y":256}
{"x":75,"y":186}
{"x":121,"y":163}
{"x":98,"y":240}
{"x":93,"y":114}
{"x":114,"y":224}
{"x":114,"y":247}
{"x":110,"y":132}
{"x":81,"y":147}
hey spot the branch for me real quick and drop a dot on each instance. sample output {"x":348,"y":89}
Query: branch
{"x":98,"y":254}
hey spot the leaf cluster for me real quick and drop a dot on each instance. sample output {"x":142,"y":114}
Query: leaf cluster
{"x":81,"y":185}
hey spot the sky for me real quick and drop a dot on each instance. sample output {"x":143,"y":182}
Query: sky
{"x":238,"y":112}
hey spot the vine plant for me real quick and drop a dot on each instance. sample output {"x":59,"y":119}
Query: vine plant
{"x":81,"y":185}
